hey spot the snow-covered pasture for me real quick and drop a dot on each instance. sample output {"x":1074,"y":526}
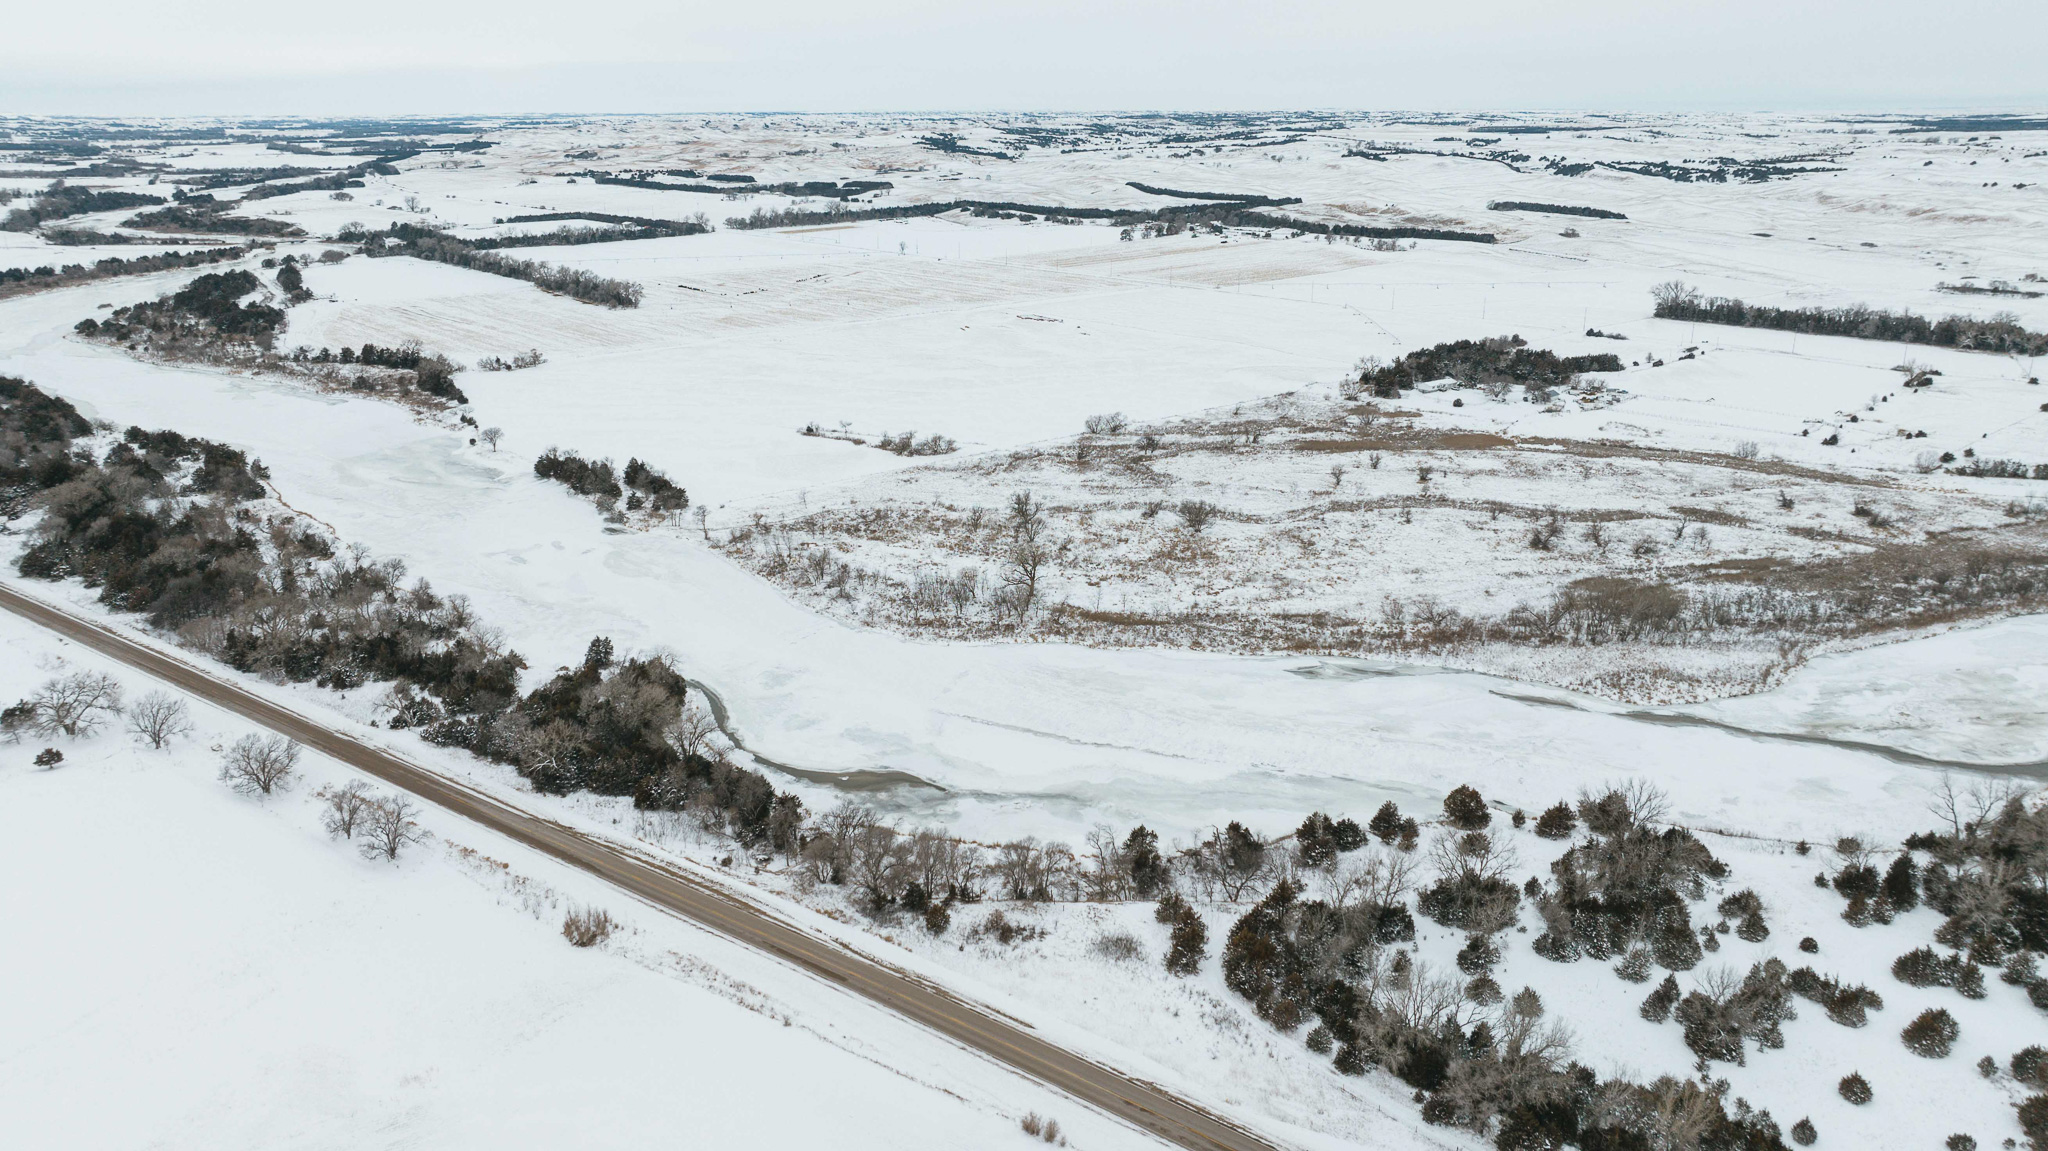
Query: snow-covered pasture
{"x":1007,"y":336}
{"x":248,"y":981}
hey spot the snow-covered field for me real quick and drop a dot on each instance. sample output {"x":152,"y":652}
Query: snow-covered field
{"x":253,"y":982}
{"x":1006,"y":336}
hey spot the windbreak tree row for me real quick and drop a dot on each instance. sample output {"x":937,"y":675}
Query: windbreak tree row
{"x":421,"y":242}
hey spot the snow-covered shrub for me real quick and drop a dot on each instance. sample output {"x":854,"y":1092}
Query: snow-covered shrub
{"x":1845,"y":1005}
{"x":1119,"y":946}
{"x":1803,"y":1133}
{"x":1196,"y":514}
{"x":2029,"y":1065}
{"x":2020,"y":970}
{"x":1557,"y":821}
{"x":2033,"y":1117}
{"x":1855,"y":1088}
{"x":1923,"y":967}
{"x":1657,"y":1007}
{"x":1635,"y":966}
{"x":1628,"y":884}
{"x":1970,"y":880}
{"x":1722,"y":1012}
{"x":587,"y":926}
{"x":1478,"y":955}
{"x":1747,"y":907}
{"x":1472,"y":891}
{"x":1932,"y":1033}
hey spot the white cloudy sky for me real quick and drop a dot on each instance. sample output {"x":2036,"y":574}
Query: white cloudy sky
{"x":391,"y":56}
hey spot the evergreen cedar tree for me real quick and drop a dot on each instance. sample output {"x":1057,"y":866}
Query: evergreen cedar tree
{"x":1189,"y":943}
{"x":1320,"y":840}
{"x":1557,"y":821}
{"x":1148,"y":868}
{"x":1932,"y":1033}
{"x":1386,"y":822}
{"x":1466,"y":810}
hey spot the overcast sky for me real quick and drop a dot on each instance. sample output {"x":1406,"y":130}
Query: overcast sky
{"x":245,"y":57}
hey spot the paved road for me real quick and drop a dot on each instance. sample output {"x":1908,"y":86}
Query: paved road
{"x":1141,"y":1104}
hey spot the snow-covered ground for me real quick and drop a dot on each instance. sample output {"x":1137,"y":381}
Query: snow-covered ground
{"x":249,"y":981}
{"x":1006,"y":336}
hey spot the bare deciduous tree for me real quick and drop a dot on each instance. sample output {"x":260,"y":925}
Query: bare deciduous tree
{"x":691,"y":731}
{"x":1107,"y":876}
{"x":491,"y":436}
{"x":1378,"y":878}
{"x":347,"y":808}
{"x":1026,"y":556}
{"x":389,"y":826}
{"x":157,"y":718}
{"x":877,"y":863}
{"x":1989,"y":795}
{"x":74,"y":705}
{"x":1107,"y":424}
{"x":1674,"y":294}
{"x":1947,"y":803}
{"x":259,"y":764}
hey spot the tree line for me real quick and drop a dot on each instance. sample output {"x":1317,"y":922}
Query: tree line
{"x":625,"y":228}
{"x":1222,"y":215}
{"x":609,"y":234}
{"x":60,"y":200}
{"x":1233,"y":197}
{"x":422,"y":242}
{"x":1554,"y":209}
{"x":2001,"y":333}
{"x":20,"y":281}
{"x":820,"y":189}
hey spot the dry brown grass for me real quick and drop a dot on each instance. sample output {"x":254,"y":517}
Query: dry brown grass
{"x":587,"y":926}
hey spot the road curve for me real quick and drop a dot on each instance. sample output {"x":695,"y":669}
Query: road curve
{"x":1141,"y":1104}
